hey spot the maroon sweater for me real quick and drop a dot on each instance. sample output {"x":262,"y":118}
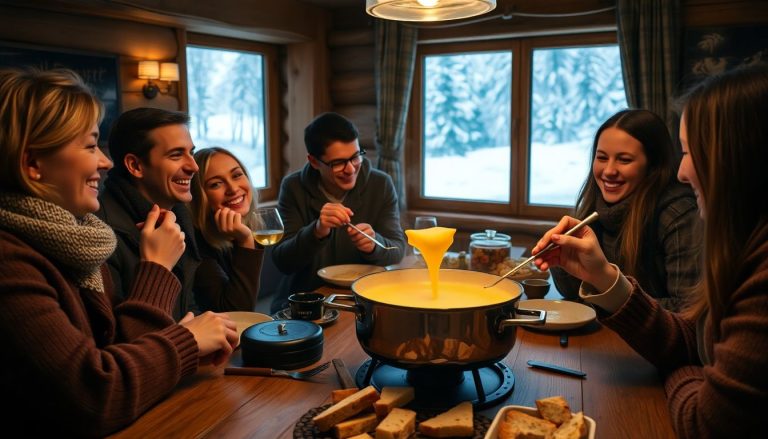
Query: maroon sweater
{"x":73,"y":365}
{"x":716,"y":387}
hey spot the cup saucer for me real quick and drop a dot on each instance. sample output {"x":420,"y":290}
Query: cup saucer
{"x":330,"y":316}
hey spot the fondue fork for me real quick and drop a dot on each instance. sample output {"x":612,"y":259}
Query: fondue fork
{"x":375,"y":241}
{"x":549,"y":247}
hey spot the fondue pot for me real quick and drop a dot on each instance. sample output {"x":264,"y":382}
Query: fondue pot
{"x":412,"y":337}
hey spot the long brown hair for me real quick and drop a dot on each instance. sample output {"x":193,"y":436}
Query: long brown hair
{"x":652,"y":133}
{"x":727,"y":128}
{"x":201,"y":209}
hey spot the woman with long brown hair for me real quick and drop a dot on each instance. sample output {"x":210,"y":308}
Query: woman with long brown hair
{"x":712,"y":355}
{"x":647,"y":219}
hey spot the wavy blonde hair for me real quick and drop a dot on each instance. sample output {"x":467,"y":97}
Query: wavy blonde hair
{"x":728,"y":142}
{"x":40,"y":112}
{"x":202,"y":213}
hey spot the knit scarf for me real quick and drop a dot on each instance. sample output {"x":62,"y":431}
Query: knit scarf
{"x":80,"y":245}
{"x":612,"y":215}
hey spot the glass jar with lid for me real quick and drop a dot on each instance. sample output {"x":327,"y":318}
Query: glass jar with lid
{"x":488,"y":249}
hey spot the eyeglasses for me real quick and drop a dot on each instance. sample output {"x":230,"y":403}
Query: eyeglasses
{"x":340,"y":164}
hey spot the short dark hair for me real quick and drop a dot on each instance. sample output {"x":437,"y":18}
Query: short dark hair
{"x":326,"y":129}
{"x":130,"y":133}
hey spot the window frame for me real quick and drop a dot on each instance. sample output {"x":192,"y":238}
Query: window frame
{"x":522,"y":57}
{"x":271,"y":106}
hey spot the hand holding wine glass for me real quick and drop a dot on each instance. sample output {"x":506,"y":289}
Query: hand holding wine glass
{"x":267,"y":226}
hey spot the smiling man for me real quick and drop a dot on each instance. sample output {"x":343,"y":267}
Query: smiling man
{"x":153,"y":164}
{"x":336,"y":187}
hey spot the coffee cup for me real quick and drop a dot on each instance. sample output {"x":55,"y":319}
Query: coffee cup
{"x":306,"y":306}
{"x":535,"y":288}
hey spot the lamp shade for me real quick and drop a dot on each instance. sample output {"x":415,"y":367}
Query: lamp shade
{"x":169,"y":71}
{"x":149,"y":70}
{"x":428,"y":10}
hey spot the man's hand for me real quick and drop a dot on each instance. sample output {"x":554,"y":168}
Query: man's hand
{"x":362,"y":243}
{"x":332,"y":215}
{"x":161,"y":243}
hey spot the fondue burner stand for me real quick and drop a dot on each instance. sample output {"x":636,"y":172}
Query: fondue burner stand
{"x":439,"y":388}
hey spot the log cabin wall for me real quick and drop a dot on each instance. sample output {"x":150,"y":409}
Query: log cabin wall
{"x":352,"y":74}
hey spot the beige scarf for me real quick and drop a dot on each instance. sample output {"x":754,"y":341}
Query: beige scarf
{"x":79,"y":245}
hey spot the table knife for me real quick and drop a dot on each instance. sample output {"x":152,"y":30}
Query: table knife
{"x":345,"y":378}
{"x":555,"y":368}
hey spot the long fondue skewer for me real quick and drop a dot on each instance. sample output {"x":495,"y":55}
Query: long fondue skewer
{"x":549,"y":247}
{"x":375,"y":241}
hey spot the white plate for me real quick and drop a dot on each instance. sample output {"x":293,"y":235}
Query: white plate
{"x":493,"y":430}
{"x":345,"y":275}
{"x":561,"y":314}
{"x":245,"y":319}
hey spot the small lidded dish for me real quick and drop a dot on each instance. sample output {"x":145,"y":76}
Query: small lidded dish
{"x":282,"y":344}
{"x":488,"y":249}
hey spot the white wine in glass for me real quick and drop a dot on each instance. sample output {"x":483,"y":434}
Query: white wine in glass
{"x":267,"y":226}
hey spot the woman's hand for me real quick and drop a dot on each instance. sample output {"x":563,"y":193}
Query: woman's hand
{"x":579,"y":254}
{"x":230,"y":224}
{"x":362,"y":243}
{"x":162,"y":240}
{"x":332,"y":215}
{"x":215,"y":334}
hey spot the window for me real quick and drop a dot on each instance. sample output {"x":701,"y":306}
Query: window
{"x":506,"y":127}
{"x":231,"y":104}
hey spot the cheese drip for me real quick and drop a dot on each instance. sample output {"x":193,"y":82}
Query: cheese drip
{"x":432,"y":243}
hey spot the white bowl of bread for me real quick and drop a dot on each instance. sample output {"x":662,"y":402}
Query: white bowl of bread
{"x":550,"y":419}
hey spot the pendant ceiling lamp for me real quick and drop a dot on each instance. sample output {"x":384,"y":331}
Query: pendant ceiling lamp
{"x":428,"y":10}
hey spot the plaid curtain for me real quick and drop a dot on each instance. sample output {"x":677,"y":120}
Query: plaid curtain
{"x":649,"y":43}
{"x":395,"y":60}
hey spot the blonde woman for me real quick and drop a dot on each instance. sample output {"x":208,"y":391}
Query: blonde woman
{"x":74,"y":365}
{"x":713,"y":356}
{"x":222,"y":198}
{"x":647,"y":219}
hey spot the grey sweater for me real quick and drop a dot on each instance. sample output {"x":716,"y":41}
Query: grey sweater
{"x":300,"y":254}
{"x":669,"y":253}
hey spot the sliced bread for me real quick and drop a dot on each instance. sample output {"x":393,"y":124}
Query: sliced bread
{"x":456,"y":422}
{"x":338,"y":395}
{"x":554,"y":409}
{"x":399,"y":424}
{"x":346,"y":408}
{"x":362,"y":436}
{"x":392,"y":397}
{"x":574,"y":428}
{"x":355,"y":426}
{"x":518,"y":425}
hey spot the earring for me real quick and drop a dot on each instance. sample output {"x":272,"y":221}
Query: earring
{"x":36,"y":176}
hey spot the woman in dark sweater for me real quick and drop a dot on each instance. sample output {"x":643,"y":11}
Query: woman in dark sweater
{"x":222,"y":199}
{"x":73,"y":365}
{"x":713,"y":356}
{"x":647,"y":219}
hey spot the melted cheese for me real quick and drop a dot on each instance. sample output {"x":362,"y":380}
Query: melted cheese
{"x":453,"y":295}
{"x":432,"y":243}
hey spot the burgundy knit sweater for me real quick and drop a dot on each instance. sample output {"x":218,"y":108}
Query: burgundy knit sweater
{"x":71,"y":364}
{"x":716,"y":387}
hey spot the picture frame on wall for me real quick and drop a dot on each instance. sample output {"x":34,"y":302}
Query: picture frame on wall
{"x":711,"y":50}
{"x":99,"y":70}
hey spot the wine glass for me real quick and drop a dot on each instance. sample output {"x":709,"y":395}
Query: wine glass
{"x":423,"y":222}
{"x":266,"y":225}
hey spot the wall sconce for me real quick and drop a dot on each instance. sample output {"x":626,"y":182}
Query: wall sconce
{"x":149,"y":70}
{"x":427,"y":10}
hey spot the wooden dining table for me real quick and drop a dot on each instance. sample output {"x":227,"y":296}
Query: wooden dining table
{"x":622,"y":392}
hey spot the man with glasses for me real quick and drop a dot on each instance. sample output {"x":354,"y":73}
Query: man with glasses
{"x":335,"y":188}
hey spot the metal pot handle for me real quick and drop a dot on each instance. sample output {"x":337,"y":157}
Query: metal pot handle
{"x":539,"y":313}
{"x":330,"y":303}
